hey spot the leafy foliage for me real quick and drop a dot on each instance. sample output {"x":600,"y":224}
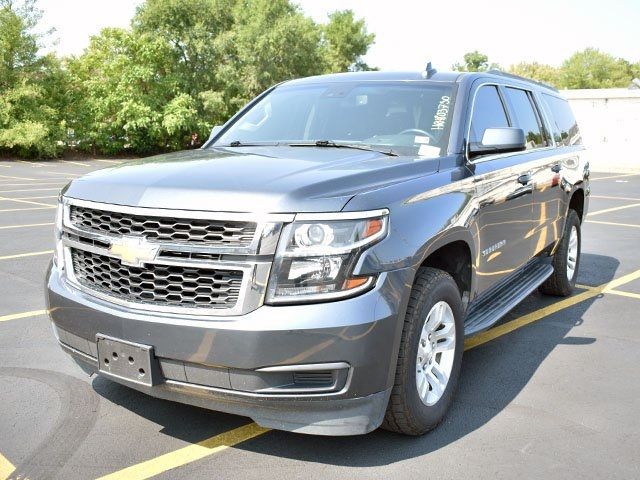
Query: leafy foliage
{"x":592,"y":68}
{"x":30,"y":109}
{"x":346,"y":41}
{"x":186,"y":65}
{"x":475,"y":62}
{"x":537,"y":71}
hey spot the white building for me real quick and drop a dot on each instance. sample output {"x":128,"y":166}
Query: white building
{"x":609,"y":119}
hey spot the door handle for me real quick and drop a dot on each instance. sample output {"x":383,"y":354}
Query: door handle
{"x":524,"y":179}
{"x":556,"y":168}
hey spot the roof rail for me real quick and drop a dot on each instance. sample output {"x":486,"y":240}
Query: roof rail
{"x":524,"y":79}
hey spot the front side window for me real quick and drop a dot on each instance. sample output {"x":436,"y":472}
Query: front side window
{"x":525,"y":117}
{"x":488,"y":112}
{"x":409,"y":118}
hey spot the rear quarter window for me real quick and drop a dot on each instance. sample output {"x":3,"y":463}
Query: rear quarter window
{"x":563,"y":123}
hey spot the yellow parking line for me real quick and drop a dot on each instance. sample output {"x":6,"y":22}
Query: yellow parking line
{"x":76,"y":163}
{"x":69,"y":175}
{"x":615,"y":176}
{"x":32,"y":164}
{"x":30,"y":254}
{"x":109,"y":161}
{"x":608,"y":197}
{"x":3,"y":210}
{"x":188,"y":454}
{"x":16,"y":178}
{"x":625,"y":294}
{"x":613,"y":209}
{"x":615,"y":224}
{"x":34,"y":198}
{"x":27,"y":225}
{"x":6,"y":468}
{"x":225,"y":440}
{"x":16,"y":316}
{"x":519,"y":322}
{"x":32,"y":190}
{"x":58,"y":182}
{"x":30,"y":202}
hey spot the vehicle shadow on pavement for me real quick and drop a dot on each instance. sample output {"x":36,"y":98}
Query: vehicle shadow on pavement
{"x":492,"y":376}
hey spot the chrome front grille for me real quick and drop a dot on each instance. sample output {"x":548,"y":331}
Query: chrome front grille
{"x":181,"y":262}
{"x":161,"y":228}
{"x":162,"y":285}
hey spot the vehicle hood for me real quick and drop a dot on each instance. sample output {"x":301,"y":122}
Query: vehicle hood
{"x":249,"y":179}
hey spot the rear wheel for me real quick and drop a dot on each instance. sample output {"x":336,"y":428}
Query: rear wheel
{"x":566,"y":259}
{"x":430,"y":355}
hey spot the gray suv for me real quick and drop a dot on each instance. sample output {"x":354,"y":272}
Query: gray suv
{"x":317,"y":265}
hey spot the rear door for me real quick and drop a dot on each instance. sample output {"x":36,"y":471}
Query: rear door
{"x":543,"y":165}
{"x":503,"y":194}
{"x":566,"y":159}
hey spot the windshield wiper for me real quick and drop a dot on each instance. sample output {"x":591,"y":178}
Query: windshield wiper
{"x":354,"y":146}
{"x":238,"y":143}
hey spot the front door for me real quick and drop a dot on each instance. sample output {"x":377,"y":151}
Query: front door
{"x":504,"y":187}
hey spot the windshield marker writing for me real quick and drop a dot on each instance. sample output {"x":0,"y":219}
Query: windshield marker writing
{"x":440,"y":117}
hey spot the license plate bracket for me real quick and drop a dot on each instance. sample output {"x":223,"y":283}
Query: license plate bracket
{"x":129,"y":361}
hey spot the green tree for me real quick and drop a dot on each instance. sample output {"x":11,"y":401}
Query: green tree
{"x":591,"y":68}
{"x":30,"y":122}
{"x":475,"y":62}
{"x":271,"y":41}
{"x":346,"y":42}
{"x":187,"y":65}
{"x":537,"y":71}
{"x":125,"y":96}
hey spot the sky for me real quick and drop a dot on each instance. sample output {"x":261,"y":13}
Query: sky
{"x":411,"y":32}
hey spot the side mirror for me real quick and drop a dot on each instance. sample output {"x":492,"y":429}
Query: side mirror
{"x":499,"y":140}
{"x":215,"y":131}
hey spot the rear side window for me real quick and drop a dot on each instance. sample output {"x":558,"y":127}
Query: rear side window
{"x":525,"y":117}
{"x":563,"y":123}
{"x":488,"y":112}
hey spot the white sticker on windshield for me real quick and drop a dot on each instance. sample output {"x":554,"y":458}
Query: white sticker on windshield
{"x":420,"y":139}
{"x":428,"y":151}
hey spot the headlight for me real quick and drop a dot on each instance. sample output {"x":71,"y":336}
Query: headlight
{"x":58,"y":256}
{"x":317,"y":254}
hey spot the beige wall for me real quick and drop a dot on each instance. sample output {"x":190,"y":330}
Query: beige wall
{"x":610,"y":123}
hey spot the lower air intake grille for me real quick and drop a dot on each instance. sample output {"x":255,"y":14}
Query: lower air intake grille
{"x":316,"y":379}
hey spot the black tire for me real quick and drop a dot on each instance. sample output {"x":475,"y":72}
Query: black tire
{"x":406,"y":413}
{"x":558,"y":283}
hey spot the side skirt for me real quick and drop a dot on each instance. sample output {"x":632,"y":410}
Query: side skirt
{"x":486,"y":310}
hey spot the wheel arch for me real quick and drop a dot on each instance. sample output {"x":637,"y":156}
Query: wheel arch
{"x":577,"y":202}
{"x":453,"y":253}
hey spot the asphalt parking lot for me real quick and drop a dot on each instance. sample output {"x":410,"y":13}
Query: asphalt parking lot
{"x":552,"y":392}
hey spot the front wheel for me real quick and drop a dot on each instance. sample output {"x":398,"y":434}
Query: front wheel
{"x":430,"y":355}
{"x":566,"y":259}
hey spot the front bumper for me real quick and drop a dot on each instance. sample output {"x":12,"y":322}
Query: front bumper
{"x":227,"y":363}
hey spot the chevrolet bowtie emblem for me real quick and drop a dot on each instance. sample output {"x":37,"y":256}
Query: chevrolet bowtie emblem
{"x":134,"y":251}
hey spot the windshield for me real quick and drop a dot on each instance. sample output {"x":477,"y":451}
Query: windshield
{"x":408,"y":118}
